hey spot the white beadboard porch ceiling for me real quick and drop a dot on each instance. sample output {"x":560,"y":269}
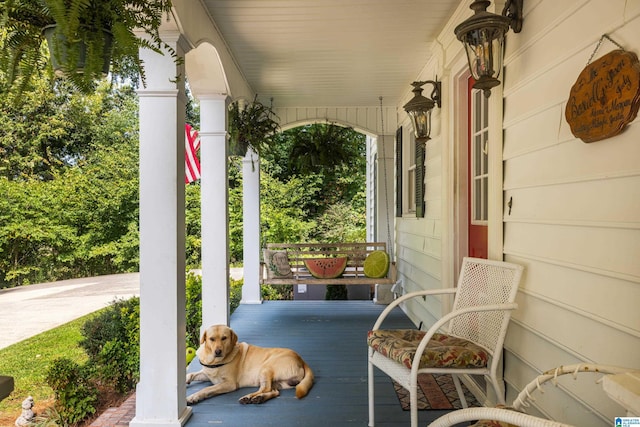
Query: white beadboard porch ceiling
{"x":330,"y":53}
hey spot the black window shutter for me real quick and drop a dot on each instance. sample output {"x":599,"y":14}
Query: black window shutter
{"x":399,"y":172}
{"x":420,"y":172}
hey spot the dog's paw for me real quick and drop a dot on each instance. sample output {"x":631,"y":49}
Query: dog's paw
{"x":190,"y":377}
{"x":258,"y":399}
{"x":192,"y":399}
{"x":252,"y":399}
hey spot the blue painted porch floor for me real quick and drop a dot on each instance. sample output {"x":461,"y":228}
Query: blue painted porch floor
{"x":331,"y":337}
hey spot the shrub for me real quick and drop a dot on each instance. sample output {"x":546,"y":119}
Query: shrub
{"x":235,"y":294}
{"x":76,"y":395}
{"x":336,"y":292}
{"x":276,"y":293}
{"x":119,"y":365}
{"x":112,"y":341}
{"x":109,"y":324}
{"x":194,"y":309}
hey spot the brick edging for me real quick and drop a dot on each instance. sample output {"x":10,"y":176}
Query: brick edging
{"x":117,"y":416}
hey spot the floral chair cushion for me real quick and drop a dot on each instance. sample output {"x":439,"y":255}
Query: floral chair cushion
{"x":443,"y":351}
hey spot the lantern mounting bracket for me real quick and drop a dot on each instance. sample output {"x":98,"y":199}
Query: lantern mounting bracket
{"x":513,"y":10}
{"x":435,"y":93}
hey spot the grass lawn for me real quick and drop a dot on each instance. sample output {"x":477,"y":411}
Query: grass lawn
{"x":28,"y":361}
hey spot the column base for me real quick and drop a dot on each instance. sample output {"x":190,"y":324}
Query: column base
{"x":181,"y":421}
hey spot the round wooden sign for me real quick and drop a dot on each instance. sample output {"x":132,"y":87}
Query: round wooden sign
{"x":606,"y":97}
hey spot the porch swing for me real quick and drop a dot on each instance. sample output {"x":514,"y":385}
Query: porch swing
{"x":315,"y":263}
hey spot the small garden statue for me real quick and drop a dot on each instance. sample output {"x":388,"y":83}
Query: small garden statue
{"x":28,"y":416}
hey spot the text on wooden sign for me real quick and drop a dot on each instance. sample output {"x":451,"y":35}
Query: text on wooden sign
{"x":605,"y":97}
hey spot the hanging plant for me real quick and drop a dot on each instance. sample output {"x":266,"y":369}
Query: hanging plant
{"x":253,"y":126}
{"x":85,"y":38}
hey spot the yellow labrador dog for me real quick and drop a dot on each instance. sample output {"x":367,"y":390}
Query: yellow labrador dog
{"x":230,"y":365}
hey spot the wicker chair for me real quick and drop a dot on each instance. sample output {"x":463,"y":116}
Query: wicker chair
{"x":513,"y":416}
{"x":472,"y":344}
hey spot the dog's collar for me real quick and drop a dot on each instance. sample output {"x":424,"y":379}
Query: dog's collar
{"x":211,"y":366}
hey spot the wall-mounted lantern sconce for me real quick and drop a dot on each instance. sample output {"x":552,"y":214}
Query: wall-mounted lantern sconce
{"x":483,"y":37}
{"x":419,"y":108}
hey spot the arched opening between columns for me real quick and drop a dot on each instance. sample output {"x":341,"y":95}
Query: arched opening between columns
{"x":378,"y":208}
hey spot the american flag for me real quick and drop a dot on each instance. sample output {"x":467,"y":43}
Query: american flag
{"x":191,"y":162}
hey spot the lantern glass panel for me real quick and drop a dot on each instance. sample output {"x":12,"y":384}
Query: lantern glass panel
{"x":484,"y":51}
{"x":421,"y":120}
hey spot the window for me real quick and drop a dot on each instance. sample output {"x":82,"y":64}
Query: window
{"x":479,"y":159}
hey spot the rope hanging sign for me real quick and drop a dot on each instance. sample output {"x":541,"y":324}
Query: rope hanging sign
{"x":606,"y":95}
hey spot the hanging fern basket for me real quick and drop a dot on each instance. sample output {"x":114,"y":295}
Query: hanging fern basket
{"x":252,"y":126}
{"x":72,"y":57}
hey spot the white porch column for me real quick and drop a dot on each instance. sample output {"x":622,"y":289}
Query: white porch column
{"x":251,"y":228}
{"x":214,"y":210}
{"x":160,"y":394}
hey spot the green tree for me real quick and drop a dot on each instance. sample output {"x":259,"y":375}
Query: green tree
{"x":39,"y":135}
{"x":327,"y":154}
{"x":69,"y":170}
{"x":105,"y":186}
{"x":35,"y":243}
{"x":282,"y":208}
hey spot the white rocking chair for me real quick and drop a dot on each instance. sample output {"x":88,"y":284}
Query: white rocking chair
{"x":473,"y":340}
{"x":513,"y":416}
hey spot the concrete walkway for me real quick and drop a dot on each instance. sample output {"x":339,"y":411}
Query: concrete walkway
{"x":26,"y":311}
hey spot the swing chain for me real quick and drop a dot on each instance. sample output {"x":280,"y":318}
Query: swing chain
{"x":386,"y":184}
